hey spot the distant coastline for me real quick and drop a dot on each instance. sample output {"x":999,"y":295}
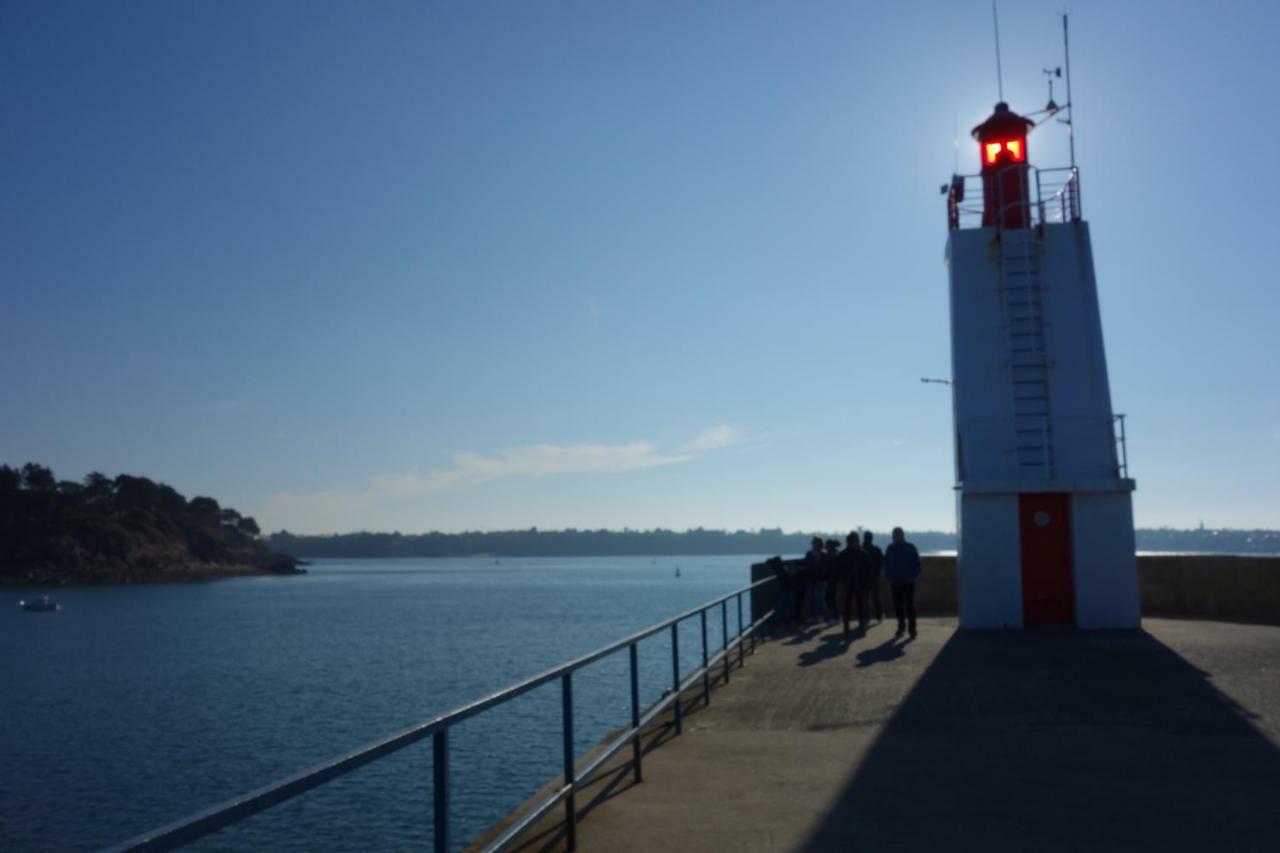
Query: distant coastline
{"x":697,"y":542}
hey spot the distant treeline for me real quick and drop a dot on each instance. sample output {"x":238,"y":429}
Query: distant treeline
{"x":568,"y":543}
{"x":657,"y":543}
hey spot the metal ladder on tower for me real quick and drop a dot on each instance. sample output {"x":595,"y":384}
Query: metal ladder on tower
{"x":1028,"y":358}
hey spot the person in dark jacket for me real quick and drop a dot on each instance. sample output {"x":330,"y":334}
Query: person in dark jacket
{"x":902,"y":567}
{"x":871,"y":581}
{"x":852,"y":597}
{"x":806,"y":576}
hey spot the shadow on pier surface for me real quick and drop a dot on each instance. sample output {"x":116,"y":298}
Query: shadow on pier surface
{"x":1063,"y":740}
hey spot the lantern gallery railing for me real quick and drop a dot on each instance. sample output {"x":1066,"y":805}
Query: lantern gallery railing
{"x":1037,"y":196}
{"x":238,"y":808}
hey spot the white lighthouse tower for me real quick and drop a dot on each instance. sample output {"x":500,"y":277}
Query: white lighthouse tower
{"x":1044,"y":502}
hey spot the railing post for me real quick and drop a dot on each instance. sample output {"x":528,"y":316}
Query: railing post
{"x":570,"y":810}
{"x":706,"y":675}
{"x":1039,"y":200}
{"x":635,"y":712}
{"x":1124,"y":449}
{"x":440,"y":789}
{"x":724,"y":631}
{"x":675,"y":672}
{"x":741,"y":658}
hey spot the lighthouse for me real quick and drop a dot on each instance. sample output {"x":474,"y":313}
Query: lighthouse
{"x":1044,"y":501}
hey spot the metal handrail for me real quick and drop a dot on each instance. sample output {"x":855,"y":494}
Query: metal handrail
{"x":236,"y":809}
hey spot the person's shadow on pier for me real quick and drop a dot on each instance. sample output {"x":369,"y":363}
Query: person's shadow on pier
{"x":803,"y":635}
{"x":889,"y":650}
{"x":1059,"y":741}
{"x":830,"y":646}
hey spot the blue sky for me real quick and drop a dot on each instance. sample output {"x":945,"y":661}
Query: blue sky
{"x":413,"y":266}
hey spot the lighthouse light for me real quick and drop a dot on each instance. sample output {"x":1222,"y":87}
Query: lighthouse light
{"x":991,"y":151}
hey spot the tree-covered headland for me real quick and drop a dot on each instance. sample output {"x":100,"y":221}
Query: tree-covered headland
{"x":122,"y":529}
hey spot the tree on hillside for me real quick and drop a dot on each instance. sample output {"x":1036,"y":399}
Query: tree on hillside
{"x":38,"y":478}
{"x":171,"y":500}
{"x":136,"y":493}
{"x":206,"y":509}
{"x":248,"y":526}
{"x":98,"y":487}
{"x":70,"y":488}
{"x":10,"y":479}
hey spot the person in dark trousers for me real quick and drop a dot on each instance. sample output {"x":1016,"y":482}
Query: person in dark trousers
{"x":902,"y":567}
{"x":806,"y":576}
{"x":852,"y":597}
{"x":871,"y":582}
{"x":831,"y":565}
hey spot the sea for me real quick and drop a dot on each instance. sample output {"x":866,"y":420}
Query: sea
{"x":138,"y":705}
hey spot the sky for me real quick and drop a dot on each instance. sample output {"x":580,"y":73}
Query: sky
{"x":459,"y":266}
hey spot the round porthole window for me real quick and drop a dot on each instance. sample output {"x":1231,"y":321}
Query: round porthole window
{"x":1042,"y":519}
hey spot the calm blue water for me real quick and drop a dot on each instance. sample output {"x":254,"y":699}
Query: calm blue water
{"x":137,"y":705}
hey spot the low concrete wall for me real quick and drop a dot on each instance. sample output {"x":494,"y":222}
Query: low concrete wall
{"x":1196,"y":586}
{"x":1211,"y":586}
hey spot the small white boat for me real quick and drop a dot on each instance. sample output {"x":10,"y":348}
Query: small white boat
{"x":42,"y":604}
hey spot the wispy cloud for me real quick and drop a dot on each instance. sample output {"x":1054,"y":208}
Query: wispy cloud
{"x":538,"y":460}
{"x":713,"y":438}
{"x":471,"y":469}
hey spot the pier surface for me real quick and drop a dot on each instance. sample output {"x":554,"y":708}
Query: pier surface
{"x":1164,"y":739}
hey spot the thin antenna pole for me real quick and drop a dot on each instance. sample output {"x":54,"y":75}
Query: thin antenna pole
{"x":995,"y":20}
{"x":1071,"y":105}
{"x":955,"y":144}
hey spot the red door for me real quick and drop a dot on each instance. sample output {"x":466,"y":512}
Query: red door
{"x":1044,"y":524}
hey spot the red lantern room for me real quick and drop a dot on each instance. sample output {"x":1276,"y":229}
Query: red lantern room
{"x":1002,"y":146}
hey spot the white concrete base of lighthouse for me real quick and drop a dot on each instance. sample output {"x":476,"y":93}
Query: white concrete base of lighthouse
{"x":1105,"y":567}
{"x":990,"y":592}
{"x":1100,"y":552}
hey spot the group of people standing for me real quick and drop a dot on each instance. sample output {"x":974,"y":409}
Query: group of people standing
{"x":833,"y":582}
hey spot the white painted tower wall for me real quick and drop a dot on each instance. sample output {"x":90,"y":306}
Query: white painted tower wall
{"x":1081,"y":455}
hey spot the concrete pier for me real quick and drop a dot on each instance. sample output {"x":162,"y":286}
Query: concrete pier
{"x":1165,"y":738}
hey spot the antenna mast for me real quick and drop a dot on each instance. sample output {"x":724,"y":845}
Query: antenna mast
{"x":955,"y":144}
{"x":995,"y":20}
{"x":1071,"y":105}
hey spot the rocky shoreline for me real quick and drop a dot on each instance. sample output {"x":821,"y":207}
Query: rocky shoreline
{"x":44,"y":576}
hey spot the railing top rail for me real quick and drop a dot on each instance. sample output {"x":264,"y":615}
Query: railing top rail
{"x":230,"y":811}
{"x":1043,"y":170}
